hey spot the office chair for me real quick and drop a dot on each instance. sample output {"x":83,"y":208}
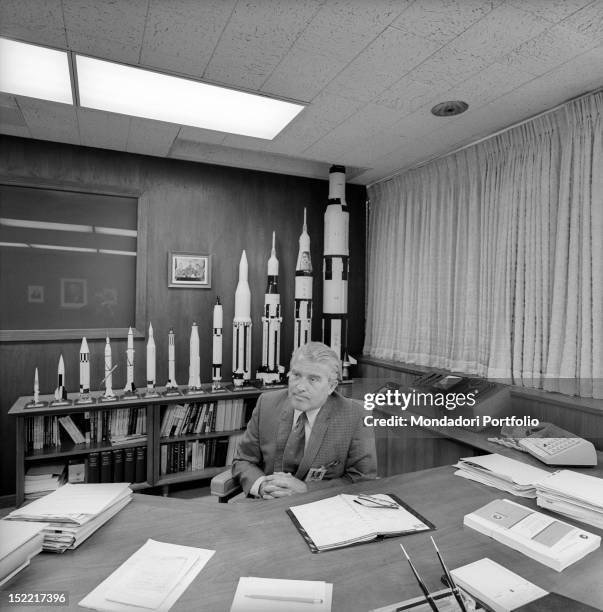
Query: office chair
{"x":224,"y":486}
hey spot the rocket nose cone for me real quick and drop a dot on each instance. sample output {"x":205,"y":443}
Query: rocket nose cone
{"x":84,"y":347}
{"x":243,"y":267}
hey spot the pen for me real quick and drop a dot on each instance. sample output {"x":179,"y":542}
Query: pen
{"x":451,"y":583}
{"x":331,"y":464}
{"x":376,"y":502}
{"x":428,"y":597}
{"x":310,"y":600}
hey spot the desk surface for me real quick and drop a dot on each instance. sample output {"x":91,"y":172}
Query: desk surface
{"x":259,"y":539}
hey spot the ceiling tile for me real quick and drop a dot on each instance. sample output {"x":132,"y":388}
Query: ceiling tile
{"x":105,"y":28}
{"x":500,"y":32}
{"x":180,"y":36}
{"x":257,"y":37}
{"x":50,"y":120}
{"x":37,"y":21}
{"x":103,"y":130}
{"x":151,"y":137}
{"x":588,"y":21}
{"x":551,"y":10}
{"x":381,"y":64}
{"x":443,"y":20}
{"x":193,"y":134}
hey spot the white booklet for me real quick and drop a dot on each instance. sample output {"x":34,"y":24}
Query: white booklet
{"x":552,"y":542}
{"x":344,"y":520}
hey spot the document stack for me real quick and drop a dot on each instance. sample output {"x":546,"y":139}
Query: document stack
{"x":19,"y":542}
{"x":153,"y":578}
{"x":541,"y":537}
{"x":41,"y":480}
{"x":74,"y":512}
{"x":502,"y":473}
{"x":572,"y":494}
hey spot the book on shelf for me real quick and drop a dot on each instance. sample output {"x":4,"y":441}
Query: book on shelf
{"x":19,"y":542}
{"x":118,"y":465}
{"x":140,"y":464}
{"x":129,"y":458}
{"x":93,"y":468}
{"x":106,"y":466}
{"x":344,"y":520}
{"x":553,"y":543}
{"x":72,"y":429}
{"x":76,"y":470}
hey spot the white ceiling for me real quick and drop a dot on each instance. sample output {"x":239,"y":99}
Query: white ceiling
{"x":369,"y":71}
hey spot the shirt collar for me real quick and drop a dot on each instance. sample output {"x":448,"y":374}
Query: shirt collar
{"x":311,"y":414}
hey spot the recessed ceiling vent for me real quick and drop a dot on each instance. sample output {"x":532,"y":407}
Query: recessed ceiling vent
{"x":450,"y":108}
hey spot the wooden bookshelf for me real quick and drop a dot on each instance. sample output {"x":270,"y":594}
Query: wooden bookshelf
{"x":152,"y":441}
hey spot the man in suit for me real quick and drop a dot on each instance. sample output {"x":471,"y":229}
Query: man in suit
{"x":305,"y":437}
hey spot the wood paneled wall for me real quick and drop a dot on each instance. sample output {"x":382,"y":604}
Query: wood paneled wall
{"x":192,"y":207}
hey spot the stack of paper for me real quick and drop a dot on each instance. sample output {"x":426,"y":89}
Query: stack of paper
{"x":502,"y":473}
{"x":275,"y":595}
{"x":74,"y":512}
{"x":19,"y":542}
{"x":573,"y":494}
{"x":153,"y":578}
{"x":43,"y":479}
{"x":554,"y":543}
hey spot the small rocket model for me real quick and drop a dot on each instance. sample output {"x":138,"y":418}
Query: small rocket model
{"x":303,"y":291}
{"x":130,"y":386}
{"x":171,"y":383}
{"x":36,"y":396}
{"x":335,"y":268}
{"x":84,"y":372}
{"x":271,"y":370}
{"x":216,"y":361}
{"x":194,"y":368}
{"x":60,"y":393}
{"x":108,"y":379}
{"x":151,"y":362}
{"x":241,"y":332}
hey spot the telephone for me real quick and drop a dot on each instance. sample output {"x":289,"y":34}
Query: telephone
{"x":552,"y":445}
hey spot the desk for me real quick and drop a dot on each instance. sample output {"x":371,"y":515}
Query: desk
{"x":259,"y":539}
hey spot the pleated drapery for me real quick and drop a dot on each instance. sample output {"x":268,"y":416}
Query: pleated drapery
{"x":490,"y":260}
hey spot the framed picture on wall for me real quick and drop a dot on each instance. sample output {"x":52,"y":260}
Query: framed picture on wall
{"x":74,"y":292}
{"x":189,"y":270}
{"x":35,"y":294}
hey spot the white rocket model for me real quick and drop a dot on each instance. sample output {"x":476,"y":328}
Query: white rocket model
{"x":335,"y":269}
{"x":108,"y":379}
{"x":60,"y":393}
{"x":241,"y":332}
{"x":130,"y":386}
{"x":303,"y":290}
{"x":84,"y":371}
{"x":151,"y":361}
{"x":194,"y":367}
{"x":36,"y":395}
{"x":216,"y":361}
{"x":171,"y":383}
{"x":271,"y":371}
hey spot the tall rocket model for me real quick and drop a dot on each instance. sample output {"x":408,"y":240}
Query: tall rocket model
{"x":60,"y":393}
{"x":241,"y":324}
{"x":303,"y":291}
{"x":171,"y":383}
{"x":36,"y":395}
{"x":108,"y":379}
{"x":194,"y":367}
{"x":271,"y":371}
{"x":130,"y":387}
{"x":335,"y":269}
{"x":216,"y":361}
{"x":84,"y":372}
{"x":151,"y":364}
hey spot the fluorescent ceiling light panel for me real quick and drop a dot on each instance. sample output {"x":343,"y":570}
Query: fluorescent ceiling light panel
{"x":37,"y":72}
{"x":141,"y":93}
{"x":46,"y":225}
{"x":14,"y":244}
{"x":114,"y":252}
{"x":115,"y":231}
{"x":56,"y":247}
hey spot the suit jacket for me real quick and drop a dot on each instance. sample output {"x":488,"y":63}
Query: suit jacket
{"x":338,"y":435}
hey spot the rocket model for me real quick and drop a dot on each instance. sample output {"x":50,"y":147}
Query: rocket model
{"x":335,"y":269}
{"x":241,"y":332}
{"x":194,"y":368}
{"x":151,"y":362}
{"x":108,"y":379}
{"x":271,"y":370}
{"x":60,"y":393}
{"x":303,"y":291}
{"x":84,"y":372}
{"x":216,"y":361}
{"x":171,"y":383}
{"x":130,"y":387}
{"x":36,"y":395}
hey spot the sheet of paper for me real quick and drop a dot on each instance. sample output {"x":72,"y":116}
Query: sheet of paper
{"x":516,"y":471}
{"x":276,"y":595}
{"x":151,"y":579}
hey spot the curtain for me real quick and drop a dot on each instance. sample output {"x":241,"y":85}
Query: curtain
{"x":489,"y":261}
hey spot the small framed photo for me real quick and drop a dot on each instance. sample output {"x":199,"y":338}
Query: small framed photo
{"x":35,"y":294}
{"x":74,"y":292}
{"x":189,"y":270}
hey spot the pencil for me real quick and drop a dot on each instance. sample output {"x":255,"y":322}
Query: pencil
{"x":428,"y":597}
{"x":451,"y":584}
{"x":292,"y":598}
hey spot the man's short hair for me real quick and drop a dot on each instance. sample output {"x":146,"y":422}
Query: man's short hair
{"x":318,"y":352}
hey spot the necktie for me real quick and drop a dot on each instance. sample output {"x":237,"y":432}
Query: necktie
{"x":294,"y":449}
